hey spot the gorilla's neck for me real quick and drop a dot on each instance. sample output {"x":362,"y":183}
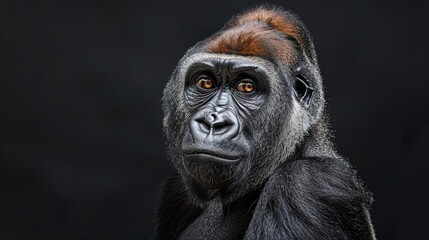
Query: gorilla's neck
{"x":318,"y":141}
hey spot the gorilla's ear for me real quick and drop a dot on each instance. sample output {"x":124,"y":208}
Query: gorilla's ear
{"x":302,"y":88}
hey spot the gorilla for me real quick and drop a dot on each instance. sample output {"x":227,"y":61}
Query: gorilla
{"x":249,"y":140}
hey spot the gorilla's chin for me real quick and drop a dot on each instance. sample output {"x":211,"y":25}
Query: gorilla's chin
{"x":211,"y":170}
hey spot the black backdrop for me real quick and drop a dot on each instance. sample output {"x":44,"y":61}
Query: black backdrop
{"x":81,"y":139}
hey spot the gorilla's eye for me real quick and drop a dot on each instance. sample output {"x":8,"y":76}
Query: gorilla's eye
{"x":205,"y":83}
{"x":245,"y":87}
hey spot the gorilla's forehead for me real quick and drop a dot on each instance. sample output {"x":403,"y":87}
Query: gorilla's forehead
{"x":231,"y":61}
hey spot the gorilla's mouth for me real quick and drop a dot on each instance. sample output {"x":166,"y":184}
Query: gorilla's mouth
{"x":209,"y":167}
{"x":212,"y":155}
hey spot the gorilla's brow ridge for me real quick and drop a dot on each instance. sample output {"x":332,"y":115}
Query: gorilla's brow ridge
{"x":224,"y":67}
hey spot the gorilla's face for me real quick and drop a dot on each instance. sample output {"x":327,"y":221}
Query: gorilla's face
{"x":231,"y":119}
{"x":222,"y":95}
{"x":228,"y":122}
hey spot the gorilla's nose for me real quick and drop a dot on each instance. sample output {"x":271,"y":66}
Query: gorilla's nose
{"x":220,"y":124}
{"x":214,"y":123}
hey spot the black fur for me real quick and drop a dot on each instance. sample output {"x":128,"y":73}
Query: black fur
{"x":292,"y":184}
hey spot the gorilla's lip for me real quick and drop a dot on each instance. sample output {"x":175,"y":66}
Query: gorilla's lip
{"x":213,"y":154}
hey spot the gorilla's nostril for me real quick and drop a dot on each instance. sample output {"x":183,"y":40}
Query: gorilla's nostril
{"x":220,"y":124}
{"x":204,"y":126}
{"x":211,"y":117}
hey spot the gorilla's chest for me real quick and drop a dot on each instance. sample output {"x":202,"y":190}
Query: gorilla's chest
{"x":212,"y":224}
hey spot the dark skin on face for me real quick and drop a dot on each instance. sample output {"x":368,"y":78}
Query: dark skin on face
{"x":222,"y":93}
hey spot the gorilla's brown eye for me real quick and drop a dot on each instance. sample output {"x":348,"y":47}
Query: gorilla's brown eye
{"x":205,"y":83}
{"x":245,"y":87}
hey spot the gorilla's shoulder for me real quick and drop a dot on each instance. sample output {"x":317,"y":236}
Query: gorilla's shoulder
{"x":320,"y":178}
{"x":318,"y":196}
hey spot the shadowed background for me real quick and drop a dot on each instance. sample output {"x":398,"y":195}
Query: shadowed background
{"x":82,"y":154}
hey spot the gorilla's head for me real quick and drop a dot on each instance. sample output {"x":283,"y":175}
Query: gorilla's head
{"x":240,"y":102}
